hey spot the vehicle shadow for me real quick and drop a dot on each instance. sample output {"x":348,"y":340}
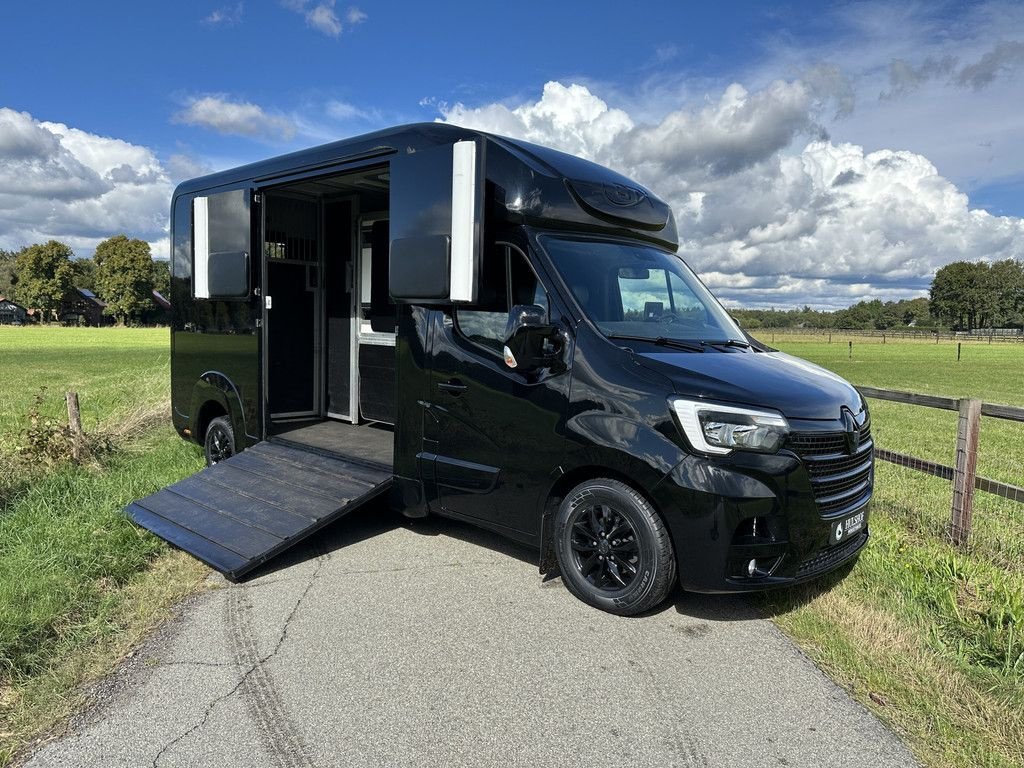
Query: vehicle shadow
{"x":368,"y":521}
{"x":756,"y":605}
{"x":377,"y":518}
{"x":435,"y":525}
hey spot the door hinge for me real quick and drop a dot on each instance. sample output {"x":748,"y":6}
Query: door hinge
{"x":257,"y":292}
{"x":268,"y":302}
{"x":259,"y":322}
{"x":257,"y":198}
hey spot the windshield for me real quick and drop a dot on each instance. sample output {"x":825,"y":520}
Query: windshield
{"x":631,"y":289}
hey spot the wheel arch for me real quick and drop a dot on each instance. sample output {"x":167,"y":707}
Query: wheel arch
{"x":213,"y":395}
{"x":627,"y":469}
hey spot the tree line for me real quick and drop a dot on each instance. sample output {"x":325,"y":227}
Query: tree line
{"x":122,"y":273}
{"x":964,"y":296}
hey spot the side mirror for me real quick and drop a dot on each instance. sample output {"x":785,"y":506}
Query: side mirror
{"x":525,"y":335}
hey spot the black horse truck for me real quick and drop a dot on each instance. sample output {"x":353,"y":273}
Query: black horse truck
{"x":481,"y":328}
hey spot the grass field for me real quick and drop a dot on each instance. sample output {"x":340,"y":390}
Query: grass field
{"x":928,"y":637}
{"x":994,"y":372}
{"x":114,"y":370}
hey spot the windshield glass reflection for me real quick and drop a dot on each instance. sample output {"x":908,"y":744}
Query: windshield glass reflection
{"x":635,"y":290}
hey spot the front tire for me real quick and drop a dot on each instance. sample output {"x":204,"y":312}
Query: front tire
{"x":613,"y":549}
{"x":219,"y":443}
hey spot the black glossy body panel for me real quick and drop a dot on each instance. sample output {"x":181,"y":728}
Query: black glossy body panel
{"x":528,"y":182}
{"x":493,"y":432}
{"x":795,"y":387}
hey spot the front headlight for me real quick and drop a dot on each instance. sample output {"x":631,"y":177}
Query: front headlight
{"x":720,"y":429}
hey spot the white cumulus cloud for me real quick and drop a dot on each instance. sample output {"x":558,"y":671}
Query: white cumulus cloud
{"x":769,"y":210}
{"x":323,"y":17}
{"x":228,"y":15}
{"x":61,"y":182}
{"x":240,"y":118}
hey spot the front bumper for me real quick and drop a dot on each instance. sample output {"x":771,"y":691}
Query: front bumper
{"x":723,"y":515}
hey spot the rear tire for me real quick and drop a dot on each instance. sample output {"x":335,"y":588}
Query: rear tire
{"x":613,"y":549}
{"x":219,"y":443}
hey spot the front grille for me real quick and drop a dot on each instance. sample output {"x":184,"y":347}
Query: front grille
{"x":830,"y":557}
{"x":825,"y":443}
{"x":841,"y":480}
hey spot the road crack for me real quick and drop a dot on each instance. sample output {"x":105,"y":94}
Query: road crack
{"x":276,"y":731}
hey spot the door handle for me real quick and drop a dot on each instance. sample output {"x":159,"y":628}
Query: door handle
{"x":454,"y":386}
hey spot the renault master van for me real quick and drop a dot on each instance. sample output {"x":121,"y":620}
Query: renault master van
{"x":476,"y":327}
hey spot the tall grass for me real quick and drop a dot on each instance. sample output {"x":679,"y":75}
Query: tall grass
{"x":79,"y":584}
{"x":66,"y":547}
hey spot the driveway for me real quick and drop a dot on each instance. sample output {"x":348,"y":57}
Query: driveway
{"x":382,"y":643}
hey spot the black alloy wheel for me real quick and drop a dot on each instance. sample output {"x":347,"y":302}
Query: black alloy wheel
{"x":220,"y":441}
{"x":604,"y":547}
{"x":613,"y":549}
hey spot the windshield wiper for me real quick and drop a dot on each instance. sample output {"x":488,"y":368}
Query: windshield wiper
{"x":726,"y":343}
{"x":661,"y":341}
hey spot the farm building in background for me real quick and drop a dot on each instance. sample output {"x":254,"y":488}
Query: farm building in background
{"x":82,"y":307}
{"x":11,"y":313}
{"x":159,"y":313}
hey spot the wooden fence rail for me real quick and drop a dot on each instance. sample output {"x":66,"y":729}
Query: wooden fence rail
{"x":964,"y":472}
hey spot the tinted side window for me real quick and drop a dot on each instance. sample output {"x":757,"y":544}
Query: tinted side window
{"x":506,"y":280}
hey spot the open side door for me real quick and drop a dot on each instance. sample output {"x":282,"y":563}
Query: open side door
{"x":437,"y":208}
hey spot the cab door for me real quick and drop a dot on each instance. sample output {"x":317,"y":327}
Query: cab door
{"x":497,"y":435}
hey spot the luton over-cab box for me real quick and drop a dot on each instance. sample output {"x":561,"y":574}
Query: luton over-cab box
{"x":461,"y":324}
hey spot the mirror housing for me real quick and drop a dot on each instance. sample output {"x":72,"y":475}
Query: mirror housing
{"x":527,"y":331}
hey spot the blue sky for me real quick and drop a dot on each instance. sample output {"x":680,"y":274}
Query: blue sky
{"x":813,"y":153}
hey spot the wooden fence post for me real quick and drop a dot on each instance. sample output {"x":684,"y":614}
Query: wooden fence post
{"x":964,"y":472}
{"x":75,"y":424}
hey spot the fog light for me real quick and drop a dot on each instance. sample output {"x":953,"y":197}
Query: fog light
{"x":756,"y":572}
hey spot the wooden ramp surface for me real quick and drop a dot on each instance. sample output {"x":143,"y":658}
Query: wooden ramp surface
{"x":238,"y":514}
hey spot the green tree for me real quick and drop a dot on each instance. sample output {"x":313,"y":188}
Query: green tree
{"x":85,"y":273}
{"x":914,"y":311}
{"x":162,"y":276}
{"x":44,"y":275}
{"x":124,"y":276}
{"x":8,"y":277}
{"x":979,"y":295}
{"x":1006,"y":279}
{"x":956,"y":292}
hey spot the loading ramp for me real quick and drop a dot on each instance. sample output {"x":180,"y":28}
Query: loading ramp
{"x":245,"y":510}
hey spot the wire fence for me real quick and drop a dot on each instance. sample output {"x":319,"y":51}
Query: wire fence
{"x":963,"y":473}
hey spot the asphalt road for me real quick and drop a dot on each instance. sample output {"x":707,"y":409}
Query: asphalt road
{"x":381,"y":644}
